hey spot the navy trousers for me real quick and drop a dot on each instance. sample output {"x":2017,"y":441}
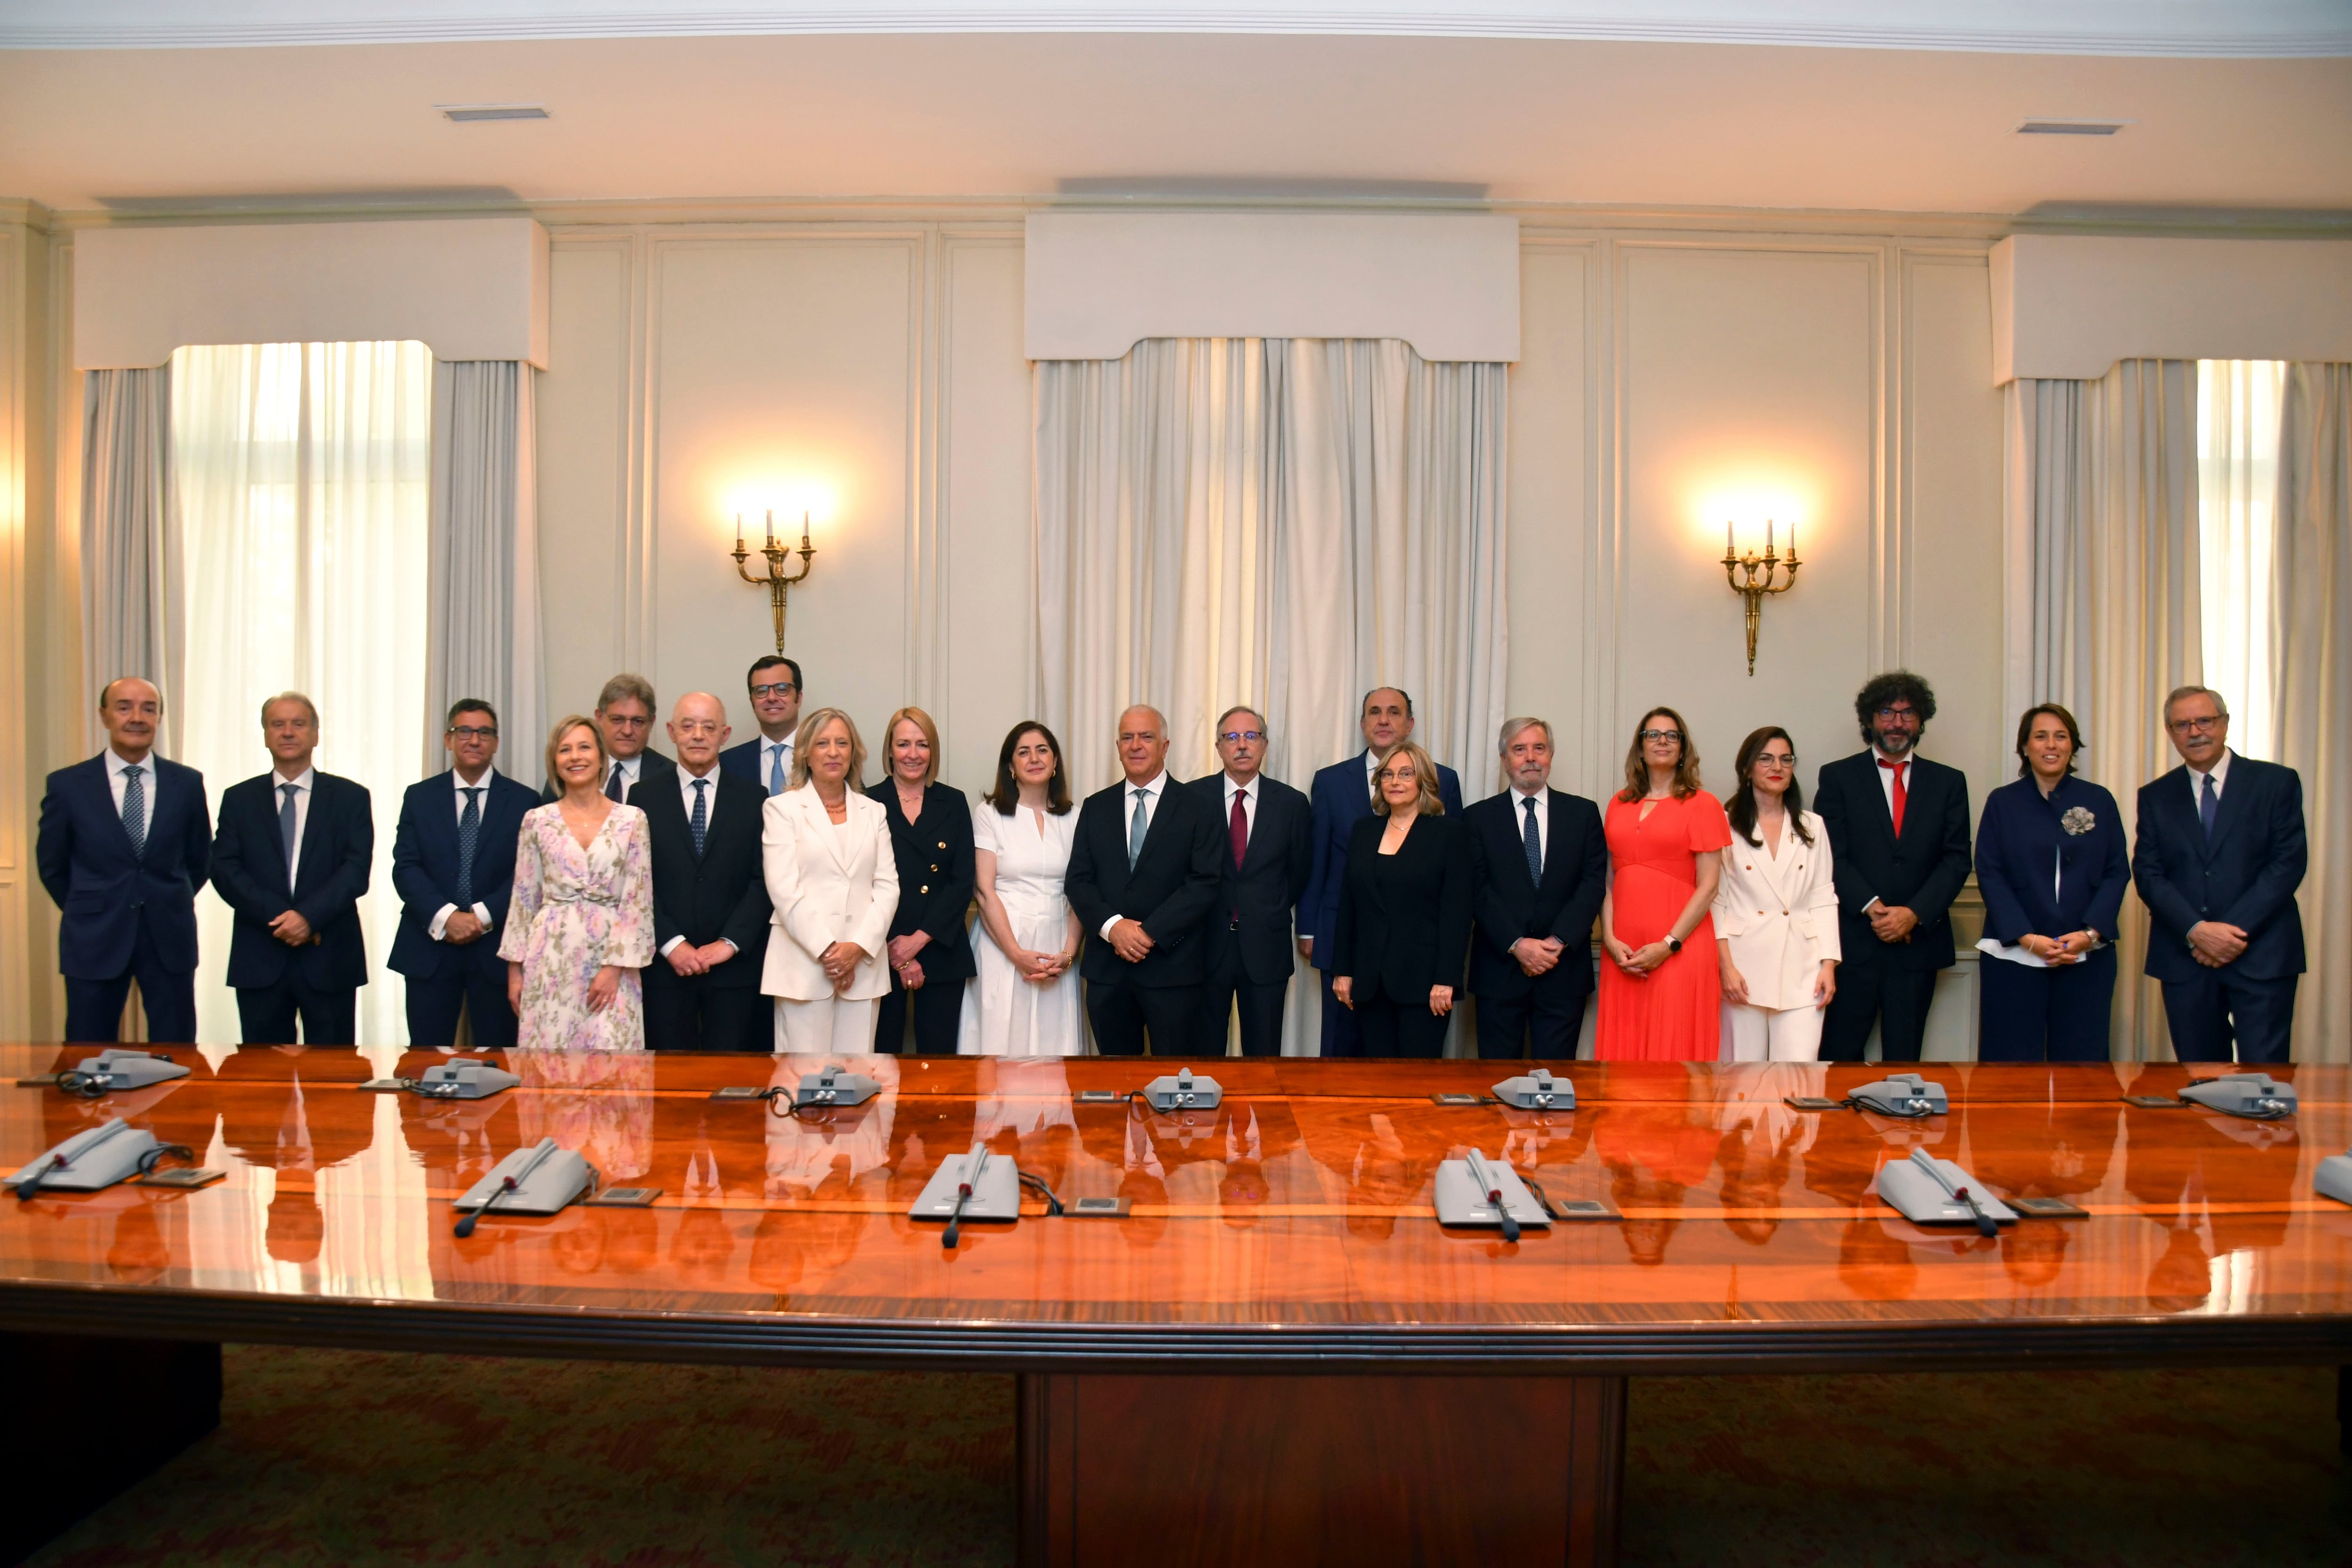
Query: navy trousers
{"x":2220,"y":1009}
{"x":94,"y":1007}
{"x":2026,"y":1015}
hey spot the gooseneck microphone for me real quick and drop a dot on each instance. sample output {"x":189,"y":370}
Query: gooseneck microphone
{"x":506,"y":1184}
{"x":1483,"y":1177}
{"x":30,"y":1182}
{"x":972,"y":1167}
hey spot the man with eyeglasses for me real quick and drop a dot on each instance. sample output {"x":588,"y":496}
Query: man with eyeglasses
{"x":711,"y":913}
{"x":1542,"y":867}
{"x":1268,"y":854}
{"x":775,"y":682}
{"x":1898,"y":827}
{"x":625,"y":713}
{"x":1341,"y":796}
{"x":452,"y":859}
{"x":2219,"y":852}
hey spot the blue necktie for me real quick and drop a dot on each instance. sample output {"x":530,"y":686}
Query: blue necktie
{"x":2209,"y":807}
{"x":701,"y":821}
{"x":288,"y":831}
{"x":1534,"y":836}
{"x":134,"y":808}
{"x":1136,"y":828}
{"x":470,"y":831}
{"x":776,"y":772}
{"x":616,"y":787}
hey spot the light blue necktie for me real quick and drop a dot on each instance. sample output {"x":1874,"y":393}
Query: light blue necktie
{"x":1136,"y":828}
{"x":776,"y":771}
{"x":134,"y":808}
{"x":1535,"y":843}
{"x":289,"y":832}
{"x":2209,"y":807}
{"x":701,"y":821}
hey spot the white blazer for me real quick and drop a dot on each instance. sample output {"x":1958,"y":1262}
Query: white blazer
{"x":829,"y":884}
{"x":1780,"y":915}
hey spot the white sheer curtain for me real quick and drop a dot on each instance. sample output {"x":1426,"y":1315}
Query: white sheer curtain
{"x":302,"y":473}
{"x":1283,"y":523}
{"x":2237,"y":485}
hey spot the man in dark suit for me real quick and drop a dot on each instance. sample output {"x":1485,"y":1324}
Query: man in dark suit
{"x":625,"y":713}
{"x":766,"y":759}
{"x":453,"y":860}
{"x":2218,"y":856}
{"x":1268,"y":852}
{"x":124,"y":843}
{"x":291,"y":858}
{"x":1143,"y":877}
{"x":710,"y":898}
{"x":1899,"y":836}
{"x":1541,"y":868}
{"x":1341,"y":796}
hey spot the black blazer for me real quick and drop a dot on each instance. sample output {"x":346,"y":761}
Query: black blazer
{"x":2023,"y":835}
{"x":654,"y":766}
{"x":2246,"y":877}
{"x":84,"y":855}
{"x":936,"y":876}
{"x":724,"y":892}
{"x":1171,"y":889}
{"x":249,"y":874}
{"x":425,"y":869}
{"x":1510,"y":905}
{"x":1923,"y":871}
{"x":1269,"y":882}
{"x":1403,"y":921}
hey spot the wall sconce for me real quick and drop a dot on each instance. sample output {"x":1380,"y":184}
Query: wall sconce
{"x":1751,"y":577}
{"x":777,"y":583}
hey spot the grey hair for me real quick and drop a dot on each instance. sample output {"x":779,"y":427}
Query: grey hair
{"x":2183,"y":693}
{"x":1511,"y":728}
{"x":308,"y":706}
{"x":1241,"y":708}
{"x":1158,"y":719}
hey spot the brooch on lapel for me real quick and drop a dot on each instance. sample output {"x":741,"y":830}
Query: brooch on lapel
{"x":2078,"y":820}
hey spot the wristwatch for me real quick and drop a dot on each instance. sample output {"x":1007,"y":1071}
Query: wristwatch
{"x":1674,"y":943}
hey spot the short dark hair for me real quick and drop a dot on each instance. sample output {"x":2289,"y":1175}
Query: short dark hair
{"x":1880,"y":690}
{"x":468,"y":705}
{"x":770,"y":661}
{"x":1376,"y":690}
{"x":2025,"y":730}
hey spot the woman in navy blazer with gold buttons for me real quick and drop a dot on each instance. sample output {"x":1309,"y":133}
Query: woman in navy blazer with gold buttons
{"x":2051,"y":865}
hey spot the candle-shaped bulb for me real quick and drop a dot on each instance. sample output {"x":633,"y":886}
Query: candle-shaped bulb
{"x":1768,"y":536}
{"x":771,"y":528}
{"x":805,"y":534}
{"x":1792,"y":541}
{"x":1727,"y":539}
{"x":738,"y":533}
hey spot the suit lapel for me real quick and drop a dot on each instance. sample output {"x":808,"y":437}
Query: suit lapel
{"x":826,"y":830}
{"x":314,"y":824}
{"x":106,"y":802}
{"x":2231,"y":808}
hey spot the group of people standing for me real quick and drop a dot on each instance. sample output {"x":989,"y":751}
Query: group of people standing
{"x":760,"y":896}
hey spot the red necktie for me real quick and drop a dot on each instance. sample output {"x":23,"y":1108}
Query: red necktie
{"x":1896,"y":811}
{"x":1238,"y":829}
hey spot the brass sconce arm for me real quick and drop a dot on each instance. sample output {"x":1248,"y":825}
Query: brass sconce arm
{"x":1753,"y":576}
{"x":775,"y":580}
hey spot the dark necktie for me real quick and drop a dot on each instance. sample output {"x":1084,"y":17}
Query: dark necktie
{"x":289,"y":832}
{"x":2209,"y":807}
{"x":612,"y":787}
{"x":1894,"y":807}
{"x":1534,"y":839}
{"x":470,"y":832}
{"x":1237,"y":830}
{"x":700,"y":820}
{"x":134,"y":810}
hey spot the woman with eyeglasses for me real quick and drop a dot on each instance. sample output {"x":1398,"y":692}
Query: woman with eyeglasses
{"x":1402,"y":928}
{"x":2052,"y":866}
{"x":1661,"y":999}
{"x":1775,"y":910}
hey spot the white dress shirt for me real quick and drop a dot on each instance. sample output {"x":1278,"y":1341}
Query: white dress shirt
{"x":117,"y":766}
{"x":2219,"y":773}
{"x":1248,"y":792}
{"x":769,"y":750}
{"x":1152,"y":792}
{"x":306,"y":784}
{"x":437,"y":928}
{"x":710,"y":781}
{"x":631,"y":767}
{"x":1542,"y":797}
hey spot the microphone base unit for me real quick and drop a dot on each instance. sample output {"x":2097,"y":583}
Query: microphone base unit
{"x":1920,"y":1198}
{"x":2256,"y":1096}
{"x":1184,"y":1091}
{"x":1537,"y":1090}
{"x":94,"y":1159}
{"x":1461,"y":1203}
{"x":113,"y":1071}
{"x":834,"y":1086}
{"x":1903,"y":1095}
{"x":2333,"y":1178}
{"x":553,"y":1186}
{"x":451,"y":1080}
{"x":995,"y":1197}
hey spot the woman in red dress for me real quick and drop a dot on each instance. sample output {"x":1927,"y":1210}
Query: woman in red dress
{"x":1662,"y":991}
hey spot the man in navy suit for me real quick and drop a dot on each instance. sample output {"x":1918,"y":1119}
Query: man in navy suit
{"x":711,"y":913}
{"x":1341,"y":796}
{"x":124,"y":843}
{"x":291,"y":858}
{"x":1541,"y":868}
{"x":453,"y":866}
{"x":1268,"y":854}
{"x":2219,"y":853}
{"x":766,"y":759}
{"x":625,"y":716}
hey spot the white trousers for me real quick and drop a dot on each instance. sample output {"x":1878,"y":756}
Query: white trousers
{"x":1773,"y":1034}
{"x":828,"y":1027}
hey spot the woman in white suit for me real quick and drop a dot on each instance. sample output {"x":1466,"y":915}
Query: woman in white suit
{"x":834,"y":882}
{"x":1775,"y":910}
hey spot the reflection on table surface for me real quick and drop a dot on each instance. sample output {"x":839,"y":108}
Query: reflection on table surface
{"x":1304,"y":1197}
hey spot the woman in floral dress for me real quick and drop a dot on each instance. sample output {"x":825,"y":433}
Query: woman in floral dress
{"x":581,"y":922}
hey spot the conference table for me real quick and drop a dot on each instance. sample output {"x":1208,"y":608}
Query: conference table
{"x":1276,"y":1351}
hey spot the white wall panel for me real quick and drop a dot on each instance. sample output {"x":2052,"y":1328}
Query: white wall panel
{"x":584,"y":475}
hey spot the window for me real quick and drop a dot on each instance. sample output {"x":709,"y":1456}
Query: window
{"x":2237,"y":483}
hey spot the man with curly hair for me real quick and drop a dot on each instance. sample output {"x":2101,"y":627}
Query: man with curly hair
{"x":1898,"y":827}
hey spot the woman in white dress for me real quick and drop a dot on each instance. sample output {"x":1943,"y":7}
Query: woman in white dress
{"x":1024,"y":1000}
{"x":1775,"y":910}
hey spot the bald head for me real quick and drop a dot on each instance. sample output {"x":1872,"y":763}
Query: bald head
{"x":1142,"y":743}
{"x":698,"y":731}
{"x":130,"y":708}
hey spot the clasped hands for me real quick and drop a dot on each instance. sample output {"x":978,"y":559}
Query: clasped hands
{"x":1892,"y":922}
{"x":1636,"y":962}
{"x":840,"y":961}
{"x":1130,"y":941}
{"x":2056,"y":950}
{"x":689,"y":960}
{"x":462,"y":927}
{"x":2216,"y":944}
{"x":1537,"y":955}
{"x":291,"y":929}
{"x":902,"y":951}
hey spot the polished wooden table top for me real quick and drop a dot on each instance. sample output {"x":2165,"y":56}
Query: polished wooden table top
{"x":1290,"y":1229}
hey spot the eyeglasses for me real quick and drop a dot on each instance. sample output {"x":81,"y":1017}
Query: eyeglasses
{"x":1234,"y":737}
{"x":1894,"y":715}
{"x":1674,"y":735}
{"x":621,"y":722}
{"x":1769,"y":759}
{"x":775,"y":689}
{"x":2210,"y":721}
{"x":472,"y":732}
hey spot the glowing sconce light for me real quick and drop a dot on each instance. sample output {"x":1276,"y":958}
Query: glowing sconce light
{"x":1751,"y":576}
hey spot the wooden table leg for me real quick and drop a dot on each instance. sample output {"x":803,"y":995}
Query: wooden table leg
{"x":88,"y":1417}
{"x":1362,"y":1470}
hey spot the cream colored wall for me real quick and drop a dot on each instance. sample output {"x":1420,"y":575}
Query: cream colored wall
{"x":23,"y":473}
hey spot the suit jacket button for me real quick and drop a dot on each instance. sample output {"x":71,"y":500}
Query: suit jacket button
{"x":924,"y":888}
{"x":943,"y":843}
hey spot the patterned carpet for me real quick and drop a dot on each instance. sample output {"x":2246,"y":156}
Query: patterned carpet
{"x":333,"y":1457}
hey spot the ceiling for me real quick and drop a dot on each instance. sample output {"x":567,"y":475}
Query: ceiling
{"x":951,"y":114}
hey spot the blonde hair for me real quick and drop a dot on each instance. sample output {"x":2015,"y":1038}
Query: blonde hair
{"x":921,"y":720}
{"x":810,"y":727}
{"x":564,"y":726}
{"x":1424,"y":778}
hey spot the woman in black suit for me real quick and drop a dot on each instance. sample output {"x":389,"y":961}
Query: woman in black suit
{"x":1403,"y":926}
{"x":931,"y":830}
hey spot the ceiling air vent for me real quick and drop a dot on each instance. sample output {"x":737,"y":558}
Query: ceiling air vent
{"x":464,"y":113}
{"x":2071,"y":127}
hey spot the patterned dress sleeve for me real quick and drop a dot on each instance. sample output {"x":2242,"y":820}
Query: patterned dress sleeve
{"x":630,"y":943}
{"x":523,"y":910}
